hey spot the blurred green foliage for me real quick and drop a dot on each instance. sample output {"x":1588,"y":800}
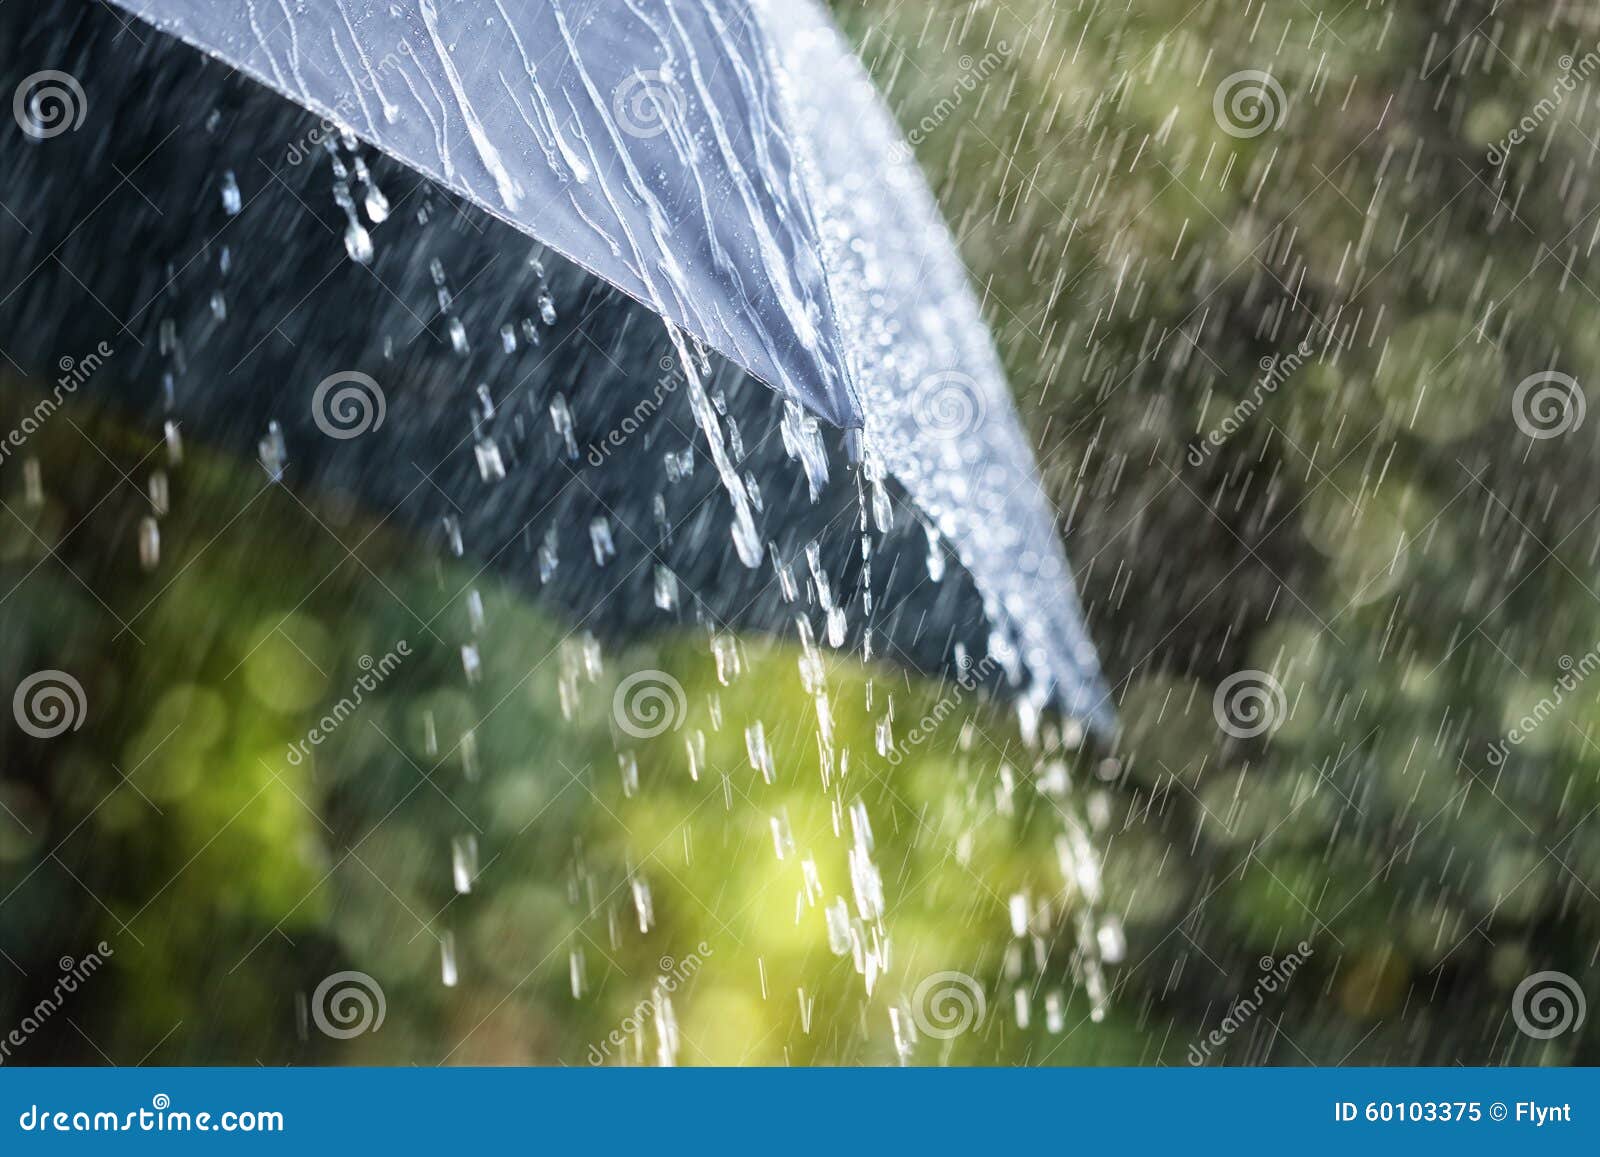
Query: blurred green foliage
{"x":233,"y":863}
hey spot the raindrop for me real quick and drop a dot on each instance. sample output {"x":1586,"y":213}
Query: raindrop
{"x":935,"y":554}
{"x":643,"y":904}
{"x":452,"y":535}
{"x":160,"y":493}
{"x":232,"y":201}
{"x":725,"y":652}
{"x":1113,"y":942}
{"x":447,"y":960}
{"x":273,"y":451}
{"x":358,"y":243}
{"x":666,"y":588}
{"x":464,"y":862}
{"x":575,"y":971}
{"x":755,"y":744}
{"x":782,"y":836}
{"x":491,"y":466}
{"x":561,"y":419}
{"x":600,"y":540}
{"x":548,"y":559}
{"x":149,"y":543}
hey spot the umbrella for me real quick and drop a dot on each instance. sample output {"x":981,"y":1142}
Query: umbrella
{"x":725,"y":166}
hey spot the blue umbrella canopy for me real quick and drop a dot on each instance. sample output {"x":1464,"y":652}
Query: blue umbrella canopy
{"x":728,"y":164}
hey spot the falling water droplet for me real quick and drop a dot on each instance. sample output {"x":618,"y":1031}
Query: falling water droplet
{"x":149,"y":543}
{"x":548,"y":559}
{"x":232,"y":201}
{"x":452,"y":535}
{"x":447,"y":960}
{"x":160,"y":493}
{"x":643,"y":903}
{"x":755,"y":745}
{"x":666,"y":588}
{"x":491,"y":466}
{"x":274,"y":451}
{"x":464,"y":862}
{"x":600,"y":540}
{"x":561,"y":420}
{"x":471,"y":662}
{"x":358,"y":243}
{"x":837,"y":915}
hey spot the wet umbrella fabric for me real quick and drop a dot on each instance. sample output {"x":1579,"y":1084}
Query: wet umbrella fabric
{"x":693,"y":156}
